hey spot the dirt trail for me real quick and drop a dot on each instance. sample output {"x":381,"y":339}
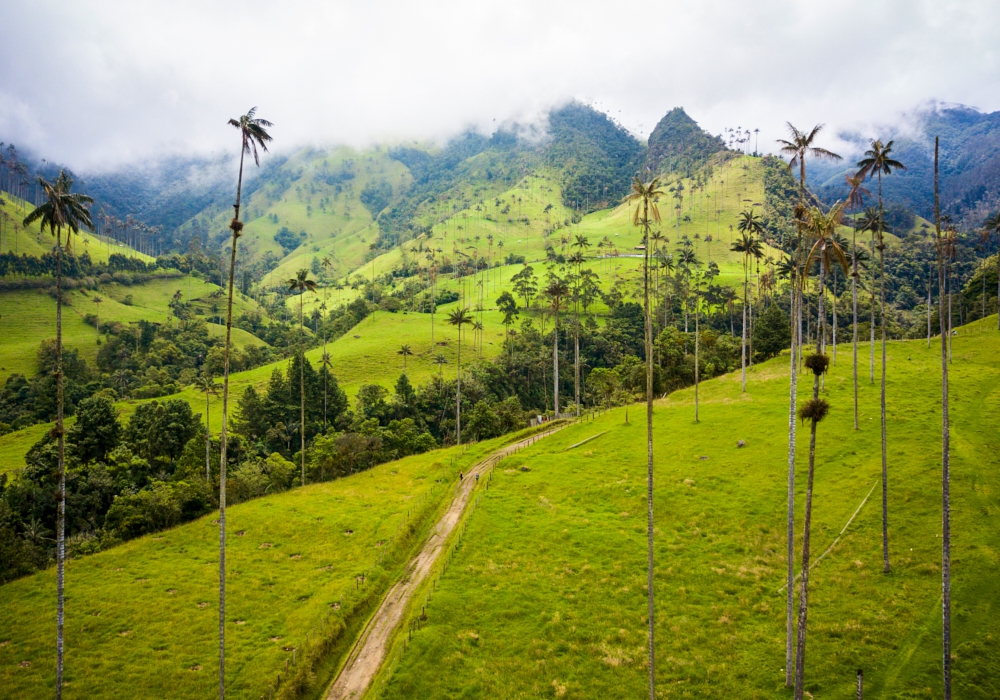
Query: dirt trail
{"x":369,"y":651}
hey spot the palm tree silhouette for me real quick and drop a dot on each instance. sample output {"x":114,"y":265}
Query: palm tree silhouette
{"x":253,"y":134}
{"x":942,"y":253}
{"x":855,"y":201}
{"x":97,"y":305}
{"x":405,"y":352}
{"x":878,"y":161}
{"x":799,"y":146}
{"x":645,"y":197}
{"x":61,"y":209}
{"x":458,"y":318}
{"x":748,"y":246}
{"x":302,"y":284}
{"x":440,"y":360}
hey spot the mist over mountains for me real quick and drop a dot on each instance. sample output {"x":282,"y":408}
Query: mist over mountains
{"x":970,"y":164}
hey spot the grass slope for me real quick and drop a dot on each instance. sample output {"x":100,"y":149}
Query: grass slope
{"x":546,"y":597}
{"x":31,"y":241}
{"x":29,"y":316}
{"x":142,"y":618}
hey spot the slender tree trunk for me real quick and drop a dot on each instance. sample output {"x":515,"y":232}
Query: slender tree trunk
{"x":871,"y":361}
{"x":325,"y":376}
{"x":649,"y":459}
{"x":302,"y":392}
{"x":885,"y":470}
{"x":236,"y":226}
{"x":929,"y":286}
{"x":854,"y":307}
{"x":833,"y":303}
{"x":555,"y":363}
{"x":949,"y":282}
{"x":792,"y":422}
{"x":743,"y":343}
{"x":945,"y":460}
{"x":576,"y":362}
{"x":208,"y":442}
{"x":458,"y":392}
{"x":861,"y":685}
{"x":800,"y":648}
{"x":697,"y":356}
{"x":61,"y":519}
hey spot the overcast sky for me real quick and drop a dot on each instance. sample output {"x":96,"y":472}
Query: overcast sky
{"x":99,"y":83}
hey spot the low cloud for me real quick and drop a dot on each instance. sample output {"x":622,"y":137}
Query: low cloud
{"x":104,"y":83}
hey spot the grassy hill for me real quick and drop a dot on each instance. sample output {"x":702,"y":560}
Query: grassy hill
{"x":547,"y":596}
{"x":30,"y":316}
{"x":140,"y":618}
{"x":31,"y":241}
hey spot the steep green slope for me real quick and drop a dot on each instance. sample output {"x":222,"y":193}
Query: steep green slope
{"x":546,"y":597}
{"x":142,"y":618}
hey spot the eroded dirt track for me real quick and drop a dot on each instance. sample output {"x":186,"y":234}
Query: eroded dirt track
{"x":369,"y":652}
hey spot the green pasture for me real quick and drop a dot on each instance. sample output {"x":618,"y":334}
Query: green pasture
{"x":546,"y":597}
{"x":142,"y":618}
{"x":29,"y":316}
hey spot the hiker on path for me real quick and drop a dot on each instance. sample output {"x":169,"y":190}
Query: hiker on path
{"x":460,"y":476}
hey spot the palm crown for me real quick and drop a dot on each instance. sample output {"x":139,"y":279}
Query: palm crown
{"x":254,"y":133}
{"x":61,"y":208}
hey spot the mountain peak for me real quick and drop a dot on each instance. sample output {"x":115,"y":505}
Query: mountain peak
{"x":678,"y":143}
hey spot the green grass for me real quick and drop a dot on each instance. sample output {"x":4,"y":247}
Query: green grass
{"x":546,"y":595}
{"x":135,"y":624}
{"x":30,"y":316}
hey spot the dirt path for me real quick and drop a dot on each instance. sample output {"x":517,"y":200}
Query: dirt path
{"x":369,"y":651}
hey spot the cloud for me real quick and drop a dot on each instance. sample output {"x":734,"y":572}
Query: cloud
{"x":98,"y":84}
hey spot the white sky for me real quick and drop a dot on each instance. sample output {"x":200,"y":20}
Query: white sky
{"x":99,"y":83}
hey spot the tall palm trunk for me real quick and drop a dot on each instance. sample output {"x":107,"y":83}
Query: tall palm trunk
{"x":325,"y":377}
{"x":555,"y":363}
{"x":854,"y":308}
{"x":648,"y":327}
{"x":833,"y":303}
{"x":208,"y":441}
{"x":236,"y":227}
{"x":458,"y":392}
{"x":302,"y":392}
{"x":61,"y":516}
{"x":576,"y":365}
{"x":793,"y":385}
{"x":800,"y":648}
{"x":885,"y":469}
{"x":743,"y":343}
{"x":930,"y":285}
{"x":697,"y":333}
{"x":871,"y":347}
{"x":945,"y":461}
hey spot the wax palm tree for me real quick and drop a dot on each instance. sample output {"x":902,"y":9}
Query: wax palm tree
{"x":253,"y":134}
{"x":405,"y":351}
{"x":556,"y":291}
{"x":855,"y":201}
{"x":942,"y":254}
{"x":97,"y":311}
{"x":799,"y":146}
{"x":747,"y":246}
{"x":459,"y":318}
{"x":878,"y":161}
{"x":750,"y":223}
{"x":872,"y":222}
{"x":62,"y":209}
{"x":814,"y":411}
{"x":992,"y":228}
{"x":206,"y":385}
{"x":644,"y":197}
{"x":302,"y":284}
{"x":327,"y":365}
{"x":440,"y":360}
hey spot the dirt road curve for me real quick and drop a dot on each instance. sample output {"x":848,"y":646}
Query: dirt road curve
{"x":369,"y":652}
